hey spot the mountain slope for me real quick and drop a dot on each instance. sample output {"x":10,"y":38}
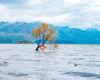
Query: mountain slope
{"x":21,"y":31}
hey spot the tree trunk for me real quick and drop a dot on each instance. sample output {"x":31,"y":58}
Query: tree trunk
{"x":37,"y":48}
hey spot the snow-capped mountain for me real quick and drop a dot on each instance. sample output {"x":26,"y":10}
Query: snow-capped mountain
{"x":17,"y":31}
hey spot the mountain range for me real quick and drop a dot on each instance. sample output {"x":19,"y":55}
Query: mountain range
{"x":22,"y":31}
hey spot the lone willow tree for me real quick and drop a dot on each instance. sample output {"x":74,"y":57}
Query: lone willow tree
{"x":43,"y":34}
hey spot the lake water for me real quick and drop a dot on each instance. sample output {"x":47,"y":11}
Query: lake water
{"x":68,"y":62}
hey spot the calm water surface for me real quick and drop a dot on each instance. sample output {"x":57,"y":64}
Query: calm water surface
{"x":69,"y":62}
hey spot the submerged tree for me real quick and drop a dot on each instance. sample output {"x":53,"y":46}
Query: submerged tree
{"x":43,"y":34}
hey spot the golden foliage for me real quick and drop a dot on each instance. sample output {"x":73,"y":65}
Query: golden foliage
{"x":49,"y":37}
{"x":44,"y":26}
{"x":36,"y":32}
{"x":54,"y":45}
{"x":44,"y":30}
{"x":51,"y":31}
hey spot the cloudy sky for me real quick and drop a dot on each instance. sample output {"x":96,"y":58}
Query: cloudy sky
{"x":76,"y":13}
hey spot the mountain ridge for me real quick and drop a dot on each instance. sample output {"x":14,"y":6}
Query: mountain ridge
{"x":14,"y":32}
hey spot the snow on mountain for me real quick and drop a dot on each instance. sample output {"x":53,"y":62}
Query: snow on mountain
{"x":13,"y":32}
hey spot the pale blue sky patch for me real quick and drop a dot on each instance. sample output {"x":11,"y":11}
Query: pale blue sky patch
{"x":13,"y":2}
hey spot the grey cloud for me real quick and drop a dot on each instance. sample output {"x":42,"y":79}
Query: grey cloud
{"x":80,"y":14}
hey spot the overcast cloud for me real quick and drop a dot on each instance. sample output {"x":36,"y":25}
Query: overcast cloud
{"x":75,"y":13}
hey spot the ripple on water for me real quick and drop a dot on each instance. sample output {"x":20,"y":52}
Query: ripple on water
{"x":84,"y":74}
{"x":2,"y":64}
{"x":18,"y":74}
